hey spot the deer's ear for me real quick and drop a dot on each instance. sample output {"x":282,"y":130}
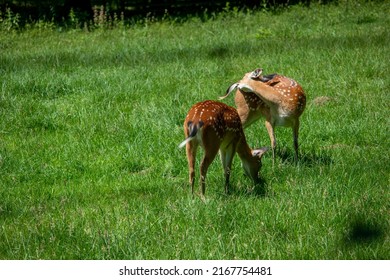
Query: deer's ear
{"x":256,"y":73}
{"x":259,"y":152}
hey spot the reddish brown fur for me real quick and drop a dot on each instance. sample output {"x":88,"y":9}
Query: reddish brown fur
{"x":280,"y":100}
{"x":221,"y":129}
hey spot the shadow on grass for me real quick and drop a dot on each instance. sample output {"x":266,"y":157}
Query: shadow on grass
{"x":259,"y":190}
{"x":133,"y":56}
{"x":365,"y":237}
{"x":307,"y":159}
{"x":363,"y":231}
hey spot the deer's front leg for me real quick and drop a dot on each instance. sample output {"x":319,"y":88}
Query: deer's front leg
{"x":271,"y":133}
{"x":227,"y":155}
{"x":295,"y":138}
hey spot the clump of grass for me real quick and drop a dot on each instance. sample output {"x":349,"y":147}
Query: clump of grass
{"x":102,"y":19}
{"x":9,"y":21}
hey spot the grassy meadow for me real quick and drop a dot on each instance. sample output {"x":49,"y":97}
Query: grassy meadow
{"x":90,"y":122}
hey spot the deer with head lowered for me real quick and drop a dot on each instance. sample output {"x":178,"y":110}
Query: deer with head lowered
{"x":215,"y":127}
{"x":279,"y":99}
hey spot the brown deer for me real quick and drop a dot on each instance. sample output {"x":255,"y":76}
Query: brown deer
{"x":216,"y":126}
{"x":279,"y":99}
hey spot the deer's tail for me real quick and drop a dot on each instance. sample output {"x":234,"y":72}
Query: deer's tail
{"x":193,"y":130}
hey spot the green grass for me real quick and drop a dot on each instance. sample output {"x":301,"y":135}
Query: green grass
{"x":90,"y":123}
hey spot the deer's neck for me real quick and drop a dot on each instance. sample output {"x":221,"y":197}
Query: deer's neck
{"x":243,"y":150}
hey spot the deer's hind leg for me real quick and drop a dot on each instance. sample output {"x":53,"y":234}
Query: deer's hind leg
{"x":191,"y":148}
{"x":209,"y":155}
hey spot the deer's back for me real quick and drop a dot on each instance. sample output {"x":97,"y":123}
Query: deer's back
{"x":294,"y":98}
{"x":218,"y":119}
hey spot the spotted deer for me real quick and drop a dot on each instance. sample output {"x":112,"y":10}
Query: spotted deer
{"x":216,"y":126}
{"x":279,"y":99}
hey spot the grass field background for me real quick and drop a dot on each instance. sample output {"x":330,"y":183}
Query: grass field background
{"x":90,"y":123}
